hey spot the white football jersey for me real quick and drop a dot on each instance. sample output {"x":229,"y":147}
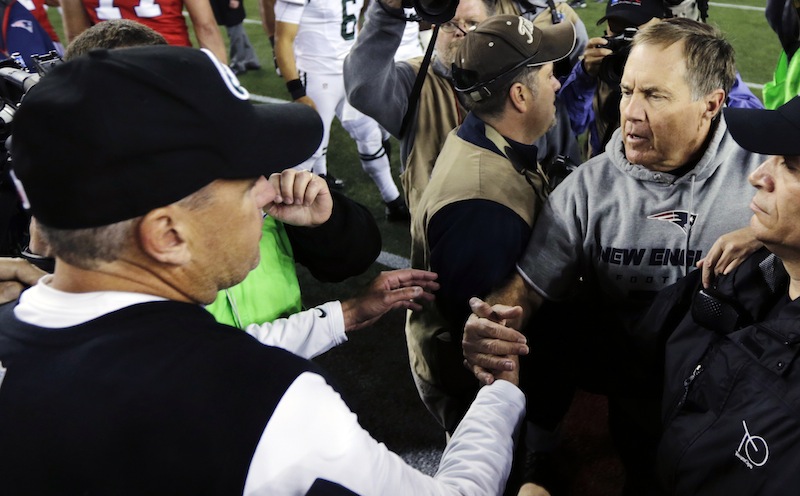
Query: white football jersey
{"x":327,"y":31}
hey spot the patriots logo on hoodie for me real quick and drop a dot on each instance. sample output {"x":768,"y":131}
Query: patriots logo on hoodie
{"x":681,"y":218}
{"x":24,"y":24}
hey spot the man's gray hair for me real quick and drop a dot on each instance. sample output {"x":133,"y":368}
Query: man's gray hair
{"x":90,"y":247}
{"x":710,"y":58}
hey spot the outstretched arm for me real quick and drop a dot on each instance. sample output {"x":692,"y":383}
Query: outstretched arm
{"x":315,"y":331}
{"x":375,"y":84}
{"x":389,"y":291}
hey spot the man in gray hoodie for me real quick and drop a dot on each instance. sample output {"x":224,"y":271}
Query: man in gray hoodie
{"x":621,"y":227}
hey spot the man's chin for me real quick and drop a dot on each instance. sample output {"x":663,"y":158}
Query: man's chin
{"x":636,"y":157}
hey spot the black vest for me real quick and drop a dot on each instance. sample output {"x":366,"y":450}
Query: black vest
{"x":156,"y":398}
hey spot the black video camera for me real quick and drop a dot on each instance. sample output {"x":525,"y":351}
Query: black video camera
{"x":617,"y":42}
{"x":15,"y":81}
{"x":612,"y":65}
{"x":432,"y":11}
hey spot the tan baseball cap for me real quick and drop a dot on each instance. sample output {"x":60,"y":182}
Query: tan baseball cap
{"x":502,"y":44}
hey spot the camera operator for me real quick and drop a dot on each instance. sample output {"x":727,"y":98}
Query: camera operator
{"x":591,"y":92}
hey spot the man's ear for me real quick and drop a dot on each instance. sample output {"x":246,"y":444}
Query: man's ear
{"x":518,"y":97}
{"x":714,"y":102}
{"x":162,"y":236}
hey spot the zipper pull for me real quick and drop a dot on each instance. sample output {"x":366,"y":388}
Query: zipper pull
{"x":688,"y":382}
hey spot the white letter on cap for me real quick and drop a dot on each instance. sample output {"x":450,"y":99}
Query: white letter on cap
{"x":231,"y":81}
{"x":526,"y":28}
{"x":23,"y":196}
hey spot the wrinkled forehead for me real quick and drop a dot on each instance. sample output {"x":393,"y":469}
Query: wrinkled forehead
{"x":656,"y":64}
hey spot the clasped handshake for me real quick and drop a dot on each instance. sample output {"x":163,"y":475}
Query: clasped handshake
{"x":492,"y":342}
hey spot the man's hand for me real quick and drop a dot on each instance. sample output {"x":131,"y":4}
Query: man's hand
{"x":727,"y":252}
{"x":302,"y":198}
{"x":16,"y":274}
{"x":490,"y":345}
{"x":594,"y":55}
{"x":531,"y":489}
{"x":390,"y":290}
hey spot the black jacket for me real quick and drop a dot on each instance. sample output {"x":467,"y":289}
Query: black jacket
{"x":731,"y":399}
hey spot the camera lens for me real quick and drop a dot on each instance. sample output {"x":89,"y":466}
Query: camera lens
{"x":612,"y":66}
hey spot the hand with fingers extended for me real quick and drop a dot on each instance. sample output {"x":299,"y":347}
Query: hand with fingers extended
{"x":491,"y":344}
{"x":302,"y":198}
{"x":728,"y":252}
{"x":16,"y":274}
{"x":405,"y":288}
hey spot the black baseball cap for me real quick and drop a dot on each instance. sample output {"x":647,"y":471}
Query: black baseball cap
{"x":502,"y":44}
{"x":771,"y":132}
{"x":113,"y":134}
{"x":634,"y":13}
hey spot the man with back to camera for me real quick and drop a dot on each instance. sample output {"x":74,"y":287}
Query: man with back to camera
{"x":591,"y":92}
{"x":626,"y":224}
{"x":487,"y":174}
{"x":137,"y":389}
{"x":267,"y":303}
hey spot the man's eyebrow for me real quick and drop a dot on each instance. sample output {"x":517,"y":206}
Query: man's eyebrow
{"x":654,"y":89}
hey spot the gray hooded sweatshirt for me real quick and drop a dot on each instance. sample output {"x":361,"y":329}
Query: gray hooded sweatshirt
{"x":628,"y":232}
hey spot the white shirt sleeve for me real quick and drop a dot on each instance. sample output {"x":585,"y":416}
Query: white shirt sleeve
{"x":307,"y":334}
{"x":313,"y":434}
{"x":289,"y":11}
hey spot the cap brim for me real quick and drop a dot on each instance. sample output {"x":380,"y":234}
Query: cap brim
{"x":558,"y":41}
{"x":280,"y":136}
{"x":771,"y":132}
{"x":628,"y":18}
